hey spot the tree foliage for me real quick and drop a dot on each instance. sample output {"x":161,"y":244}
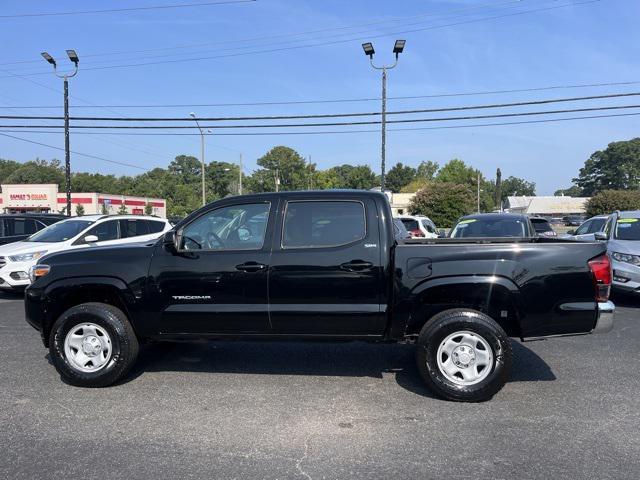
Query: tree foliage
{"x":608,"y":201}
{"x":572,"y":191}
{"x":443,"y":202}
{"x":399,"y":176}
{"x":615,"y":168}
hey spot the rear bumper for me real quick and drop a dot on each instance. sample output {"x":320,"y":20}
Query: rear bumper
{"x":606,"y":315}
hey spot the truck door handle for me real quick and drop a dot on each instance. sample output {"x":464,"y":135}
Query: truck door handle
{"x":356,"y":265}
{"x":251,"y":267}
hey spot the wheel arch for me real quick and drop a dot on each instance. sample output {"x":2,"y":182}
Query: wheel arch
{"x":64,"y":294}
{"x":495,"y":296}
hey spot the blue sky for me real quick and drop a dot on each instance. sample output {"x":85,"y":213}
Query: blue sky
{"x":578,"y":44}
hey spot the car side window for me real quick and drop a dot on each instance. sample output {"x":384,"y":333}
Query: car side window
{"x":155,"y":227}
{"x":236,"y":227}
{"x":596,"y":225}
{"x":584,"y":228}
{"x":428,"y":226}
{"x":309,"y":224}
{"x":8,"y":227}
{"x":133,"y":228}
{"x":105,"y":231}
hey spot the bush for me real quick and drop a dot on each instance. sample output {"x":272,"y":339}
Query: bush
{"x":608,"y":201}
{"x":443,"y":202}
{"x":79,"y":210}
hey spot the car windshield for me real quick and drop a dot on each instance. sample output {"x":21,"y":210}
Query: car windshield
{"x":490,"y":227}
{"x":627,"y":229}
{"x":61,"y":231}
{"x":541,"y":226}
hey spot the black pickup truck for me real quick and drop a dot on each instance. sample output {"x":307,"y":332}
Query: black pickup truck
{"x":317,"y":265}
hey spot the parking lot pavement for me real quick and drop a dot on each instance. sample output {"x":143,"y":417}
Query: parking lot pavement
{"x":289,"y":410}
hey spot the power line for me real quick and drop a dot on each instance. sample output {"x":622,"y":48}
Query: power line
{"x":343,"y":100}
{"x":75,"y":153}
{"x":332,"y":124}
{"x":325,"y":115}
{"x":334,"y":42}
{"x":294,"y":34}
{"x":330,"y":132}
{"x":130,"y":9}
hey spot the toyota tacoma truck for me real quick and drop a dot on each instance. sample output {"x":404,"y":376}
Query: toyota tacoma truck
{"x":318,"y":265}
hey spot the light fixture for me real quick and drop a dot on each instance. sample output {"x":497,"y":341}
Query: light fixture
{"x":368,"y":49}
{"x":48,"y":58}
{"x":73,"y":56}
{"x":399,"y":46}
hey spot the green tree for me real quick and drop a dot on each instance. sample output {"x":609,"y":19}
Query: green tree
{"x":573,"y":191}
{"x":615,"y":168}
{"x":456,"y":171}
{"x":415,"y":185}
{"x":608,"y":201}
{"x":37,"y":171}
{"x":399,"y":176}
{"x":222,"y":180}
{"x":285,"y":164}
{"x":443,"y":202}
{"x":148,"y":209}
{"x":517,"y":186}
{"x":104,"y":209}
{"x":427,"y":170}
{"x":497,"y":193}
{"x":79,"y":210}
{"x":7,"y":167}
{"x":123,"y":209}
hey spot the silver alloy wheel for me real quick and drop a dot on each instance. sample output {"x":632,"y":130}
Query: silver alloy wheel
{"x":87,"y":347}
{"x":465,"y":358}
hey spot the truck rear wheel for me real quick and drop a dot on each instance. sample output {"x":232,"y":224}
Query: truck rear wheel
{"x":464,"y":355}
{"x":93,"y":345}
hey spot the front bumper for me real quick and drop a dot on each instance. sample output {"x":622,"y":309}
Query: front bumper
{"x":12,"y":275}
{"x":625,"y":276}
{"x":606,"y":315}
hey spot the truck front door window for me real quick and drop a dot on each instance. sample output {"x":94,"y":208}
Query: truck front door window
{"x":236,"y":227}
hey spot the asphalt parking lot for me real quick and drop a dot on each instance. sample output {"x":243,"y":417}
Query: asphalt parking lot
{"x":310,"y":411}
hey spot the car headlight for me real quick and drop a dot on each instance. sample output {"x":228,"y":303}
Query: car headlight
{"x":626,"y":258}
{"x":25,"y":257}
{"x":37,"y":271}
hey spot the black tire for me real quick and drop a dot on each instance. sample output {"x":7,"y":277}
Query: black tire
{"x":124,"y":344}
{"x":446,"y":323}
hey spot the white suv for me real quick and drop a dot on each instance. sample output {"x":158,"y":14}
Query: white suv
{"x":419,"y":226}
{"x":78,"y":232}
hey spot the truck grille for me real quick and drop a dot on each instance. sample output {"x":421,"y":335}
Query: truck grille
{"x":3,"y":262}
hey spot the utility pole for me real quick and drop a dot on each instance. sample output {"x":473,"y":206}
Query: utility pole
{"x":202,"y":134}
{"x":397,"y":50}
{"x":240,"y":176}
{"x":478,"y":192}
{"x":73,"y":56}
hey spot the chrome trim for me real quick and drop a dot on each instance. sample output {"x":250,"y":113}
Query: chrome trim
{"x":606,"y":314}
{"x":578,"y":306}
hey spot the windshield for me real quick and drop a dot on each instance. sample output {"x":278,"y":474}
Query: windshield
{"x":61,"y":231}
{"x":541,"y":226}
{"x":490,"y":227}
{"x":627,"y":229}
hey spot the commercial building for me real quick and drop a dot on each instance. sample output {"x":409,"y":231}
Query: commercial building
{"x":46,"y":198}
{"x":549,"y":206}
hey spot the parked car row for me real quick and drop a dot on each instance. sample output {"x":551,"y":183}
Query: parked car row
{"x":17,"y":258}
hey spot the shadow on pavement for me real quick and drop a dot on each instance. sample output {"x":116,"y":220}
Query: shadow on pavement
{"x":354,"y":359}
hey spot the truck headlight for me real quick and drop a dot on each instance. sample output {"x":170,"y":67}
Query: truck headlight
{"x":626,"y":258}
{"x":25,"y":257}
{"x":38,"y":271}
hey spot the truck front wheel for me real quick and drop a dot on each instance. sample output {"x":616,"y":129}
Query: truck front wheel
{"x":464,"y":355}
{"x":93,"y":345}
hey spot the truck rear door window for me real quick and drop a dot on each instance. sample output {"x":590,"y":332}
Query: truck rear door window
{"x":315,"y":224}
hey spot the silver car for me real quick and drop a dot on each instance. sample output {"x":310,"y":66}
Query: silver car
{"x":586,"y":232}
{"x":622,"y":234}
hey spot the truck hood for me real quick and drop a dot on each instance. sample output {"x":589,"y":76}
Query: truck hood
{"x":631,"y":247}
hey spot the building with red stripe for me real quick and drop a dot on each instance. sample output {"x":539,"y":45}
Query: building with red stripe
{"x":46,"y":198}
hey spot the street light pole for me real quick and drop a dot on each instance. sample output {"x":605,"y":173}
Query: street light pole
{"x":397,"y":50}
{"x":202,"y":134}
{"x":73,"y":56}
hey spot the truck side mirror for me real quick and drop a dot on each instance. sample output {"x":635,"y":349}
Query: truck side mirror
{"x":600,"y":236}
{"x":169,"y":241}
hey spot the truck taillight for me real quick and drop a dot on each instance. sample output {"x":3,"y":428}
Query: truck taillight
{"x":601,"y":270}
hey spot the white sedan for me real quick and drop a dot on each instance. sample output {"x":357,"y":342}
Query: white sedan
{"x":78,"y":232}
